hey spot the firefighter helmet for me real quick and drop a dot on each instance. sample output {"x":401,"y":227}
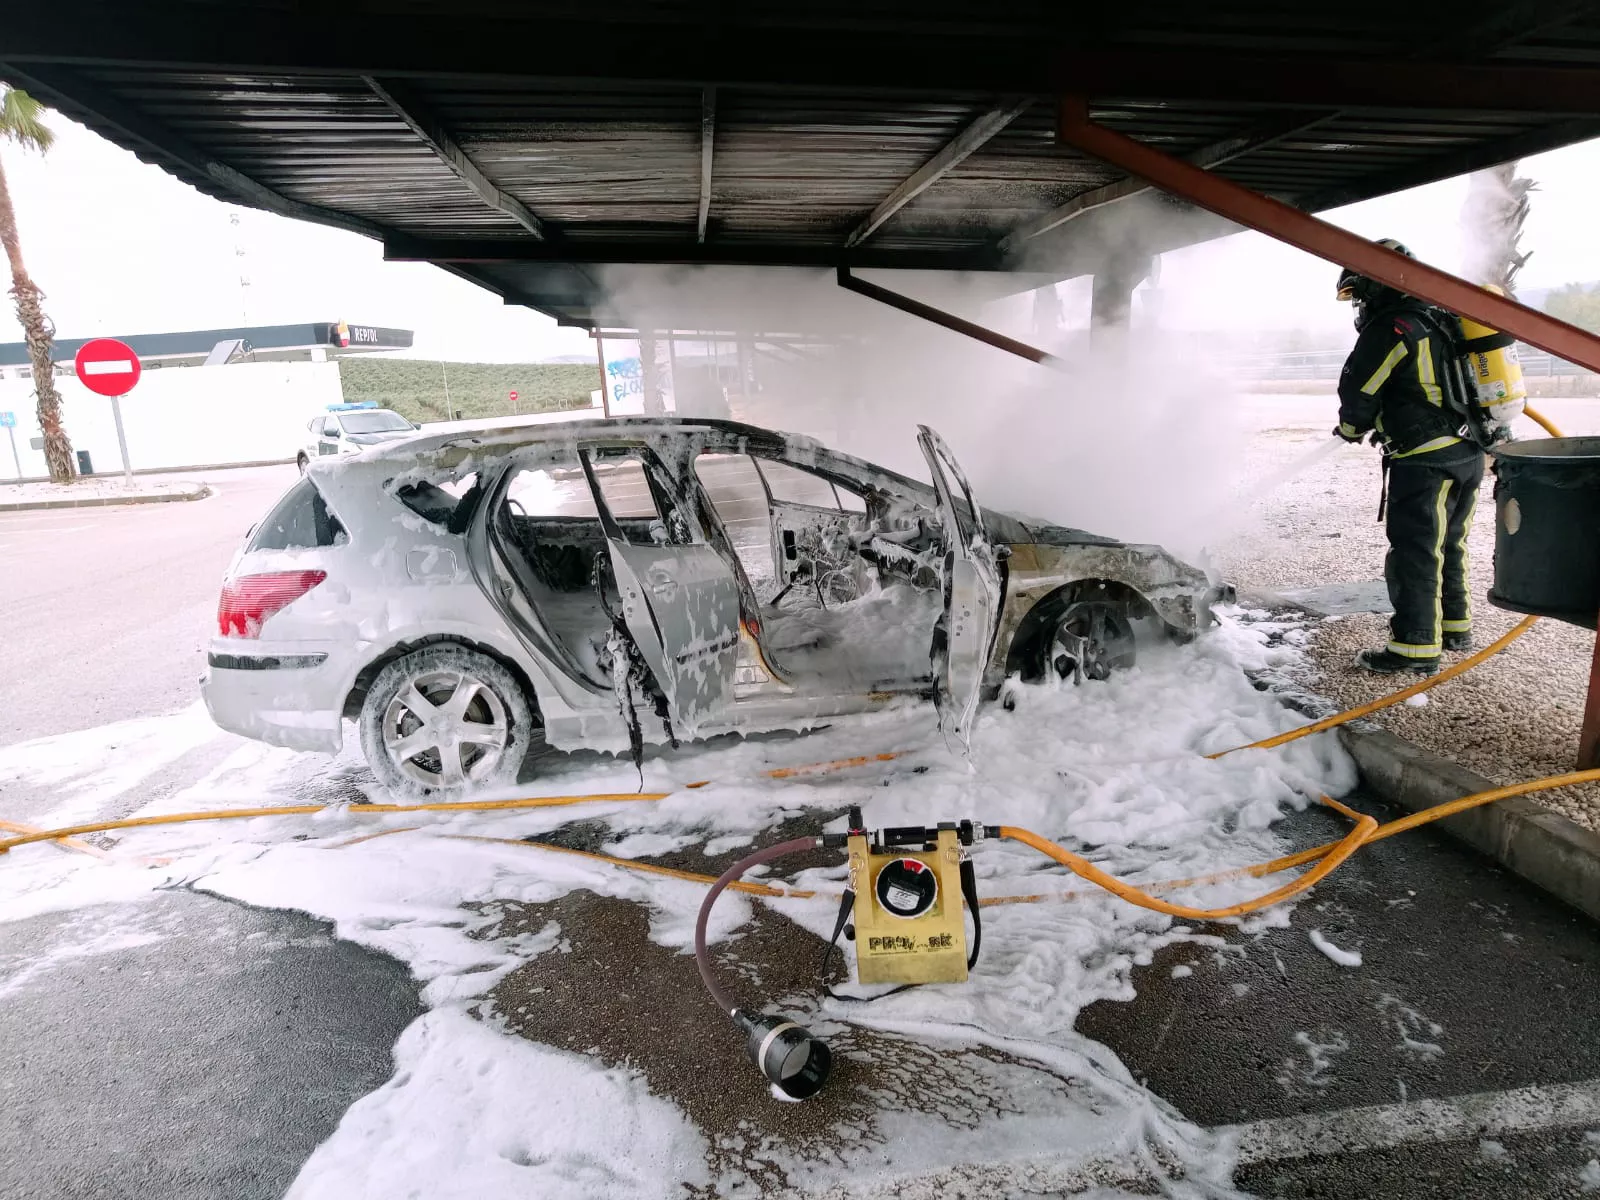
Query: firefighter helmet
{"x":1352,"y":284}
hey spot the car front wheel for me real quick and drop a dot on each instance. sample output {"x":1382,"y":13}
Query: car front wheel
{"x":1090,"y":640}
{"x":445,"y":720}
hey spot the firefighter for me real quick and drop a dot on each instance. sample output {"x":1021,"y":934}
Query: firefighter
{"x":1390,"y":387}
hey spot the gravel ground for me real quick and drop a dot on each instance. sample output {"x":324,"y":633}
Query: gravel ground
{"x":1514,"y":717}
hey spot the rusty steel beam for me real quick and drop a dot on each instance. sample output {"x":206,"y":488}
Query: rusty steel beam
{"x":708,"y":134}
{"x":1308,"y":233}
{"x":1214,"y":154}
{"x":950,"y":156}
{"x":939,"y":317}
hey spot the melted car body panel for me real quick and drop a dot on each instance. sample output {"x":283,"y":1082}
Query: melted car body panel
{"x":971,"y":594}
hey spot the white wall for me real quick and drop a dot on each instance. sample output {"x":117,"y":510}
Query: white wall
{"x":181,"y":416}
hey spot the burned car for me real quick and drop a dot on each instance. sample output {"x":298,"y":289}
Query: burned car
{"x":467,"y":597}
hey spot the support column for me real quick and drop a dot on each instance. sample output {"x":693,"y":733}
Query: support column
{"x":650,"y":374}
{"x":1111,"y":304}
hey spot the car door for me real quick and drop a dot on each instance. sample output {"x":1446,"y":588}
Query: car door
{"x":965,"y":634}
{"x":811,"y":520}
{"x":679,"y":598}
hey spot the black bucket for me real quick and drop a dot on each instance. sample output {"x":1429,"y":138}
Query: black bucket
{"x":1547,"y":528}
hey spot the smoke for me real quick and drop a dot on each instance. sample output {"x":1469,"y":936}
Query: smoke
{"x":1130,"y":436}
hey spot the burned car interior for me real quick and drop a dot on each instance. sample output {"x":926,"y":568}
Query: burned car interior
{"x":837,"y":584}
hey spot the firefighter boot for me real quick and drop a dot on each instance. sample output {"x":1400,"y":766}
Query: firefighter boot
{"x":1387,"y":662}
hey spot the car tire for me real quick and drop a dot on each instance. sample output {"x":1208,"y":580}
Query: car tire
{"x":301,"y":461}
{"x":419,"y":739}
{"x":1088,"y":641}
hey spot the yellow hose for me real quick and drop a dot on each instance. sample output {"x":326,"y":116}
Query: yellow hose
{"x":1538,"y":418}
{"x":301,"y":810}
{"x":1365,"y":827}
{"x":1389,"y":701}
{"x":66,"y":843}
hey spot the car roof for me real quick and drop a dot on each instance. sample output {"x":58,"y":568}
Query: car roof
{"x":504,"y":438}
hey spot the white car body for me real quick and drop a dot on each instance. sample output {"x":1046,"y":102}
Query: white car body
{"x":341,"y":432}
{"x":404,"y":563}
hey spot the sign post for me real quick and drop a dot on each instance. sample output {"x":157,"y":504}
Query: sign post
{"x":8,"y":422}
{"x":108,"y":367}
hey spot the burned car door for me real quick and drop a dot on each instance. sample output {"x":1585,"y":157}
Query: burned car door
{"x":679,"y":599}
{"x":812,"y":521}
{"x":965,"y":633}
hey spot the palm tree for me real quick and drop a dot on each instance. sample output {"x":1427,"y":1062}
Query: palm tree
{"x":22,"y":122}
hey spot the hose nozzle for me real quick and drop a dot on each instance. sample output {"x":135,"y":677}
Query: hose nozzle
{"x":786,"y":1053}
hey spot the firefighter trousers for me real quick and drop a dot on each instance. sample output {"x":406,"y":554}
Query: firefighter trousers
{"x":1430,"y":517}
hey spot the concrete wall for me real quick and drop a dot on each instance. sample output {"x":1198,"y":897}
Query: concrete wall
{"x":180,"y":416}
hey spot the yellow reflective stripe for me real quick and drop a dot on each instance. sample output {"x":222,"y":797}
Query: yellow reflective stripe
{"x":1440,"y":510}
{"x":1464,"y":625}
{"x":1347,"y":429}
{"x":1425,"y":375}
{"x":1382,"y":373}
{"x":1408,"y":650}
{"x":1438,"y":443}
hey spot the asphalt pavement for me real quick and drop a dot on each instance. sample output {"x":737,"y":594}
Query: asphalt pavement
{"x":106,"y":609}
{"x":183,"y":1048}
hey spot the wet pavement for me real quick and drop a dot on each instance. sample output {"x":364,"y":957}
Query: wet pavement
{"x":183,"y":1048}
{"x":192,"y":1047}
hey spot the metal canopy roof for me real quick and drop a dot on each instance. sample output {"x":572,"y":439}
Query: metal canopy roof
{"x":520,"y":144}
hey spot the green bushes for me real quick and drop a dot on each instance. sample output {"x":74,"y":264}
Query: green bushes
{"x":415,"y":388}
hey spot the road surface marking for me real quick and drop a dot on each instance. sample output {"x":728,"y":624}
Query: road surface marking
{"x":1386,"y":1126}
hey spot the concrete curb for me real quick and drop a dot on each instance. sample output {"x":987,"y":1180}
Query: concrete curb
{"x":199,"y":493}
{"x":1543,"y":847}
{"x":183,"y":470}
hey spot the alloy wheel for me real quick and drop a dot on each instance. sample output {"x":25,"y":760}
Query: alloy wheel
{"x":445,"y":728}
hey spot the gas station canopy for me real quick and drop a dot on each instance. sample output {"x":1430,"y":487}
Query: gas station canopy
{"x":521,"y":144}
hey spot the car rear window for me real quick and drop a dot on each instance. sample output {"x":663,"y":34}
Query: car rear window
{"x":299,"y":521}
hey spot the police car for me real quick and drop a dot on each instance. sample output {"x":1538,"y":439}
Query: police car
{"x":351,"y":428}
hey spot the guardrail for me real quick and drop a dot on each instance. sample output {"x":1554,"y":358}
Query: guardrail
{"x":1326,"y":364}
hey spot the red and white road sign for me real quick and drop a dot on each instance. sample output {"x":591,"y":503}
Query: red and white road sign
{"x":513,"y":397}
{"x":107,"y":366}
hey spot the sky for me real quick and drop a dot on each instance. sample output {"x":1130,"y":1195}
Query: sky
{"x":120,"y":247}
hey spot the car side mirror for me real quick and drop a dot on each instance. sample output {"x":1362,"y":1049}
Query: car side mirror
{"x":1002,"y":552}
{"x":416,"y":424}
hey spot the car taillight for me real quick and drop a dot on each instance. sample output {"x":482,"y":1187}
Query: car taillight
{"x":249,"y":600}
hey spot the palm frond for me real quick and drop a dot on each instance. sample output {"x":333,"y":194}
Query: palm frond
{"x":22,"y":121}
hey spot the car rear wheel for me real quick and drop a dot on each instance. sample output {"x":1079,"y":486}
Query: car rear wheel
{"x":445,"y":720}
{"x":1090,"y":640}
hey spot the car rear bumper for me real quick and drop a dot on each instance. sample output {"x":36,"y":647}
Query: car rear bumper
{"x":293,"y":699}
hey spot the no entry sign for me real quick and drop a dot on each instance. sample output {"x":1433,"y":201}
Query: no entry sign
{"x":107,"y":366}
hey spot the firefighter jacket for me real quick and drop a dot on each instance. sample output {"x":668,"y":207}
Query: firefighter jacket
{"x":1392,"y":384}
